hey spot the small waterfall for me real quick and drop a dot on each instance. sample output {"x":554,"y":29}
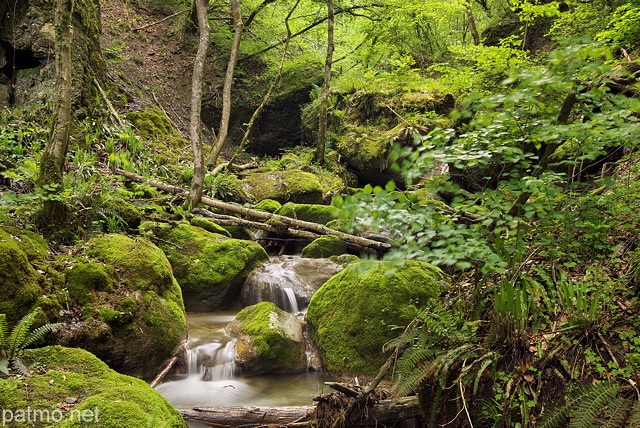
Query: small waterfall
{"x":213,"y":361}
{"x":293,"y":303}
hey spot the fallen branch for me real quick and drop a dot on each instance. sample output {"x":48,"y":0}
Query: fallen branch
{"x":158,"y":22}
{"x":113,"y":111}
{"x":168,"y":365}
{"x":248,"y":212}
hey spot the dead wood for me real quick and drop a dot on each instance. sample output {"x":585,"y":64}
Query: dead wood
{"x":248,"y":212}
{"x":378,"y":414}
{"x":168,"y":365}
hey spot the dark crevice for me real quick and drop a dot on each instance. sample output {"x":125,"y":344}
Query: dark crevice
{"x":18,"y":59}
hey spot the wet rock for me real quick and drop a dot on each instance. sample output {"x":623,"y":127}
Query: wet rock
{"x":287,"y":281}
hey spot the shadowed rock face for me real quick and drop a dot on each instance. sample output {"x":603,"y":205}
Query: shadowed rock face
{"x":285,"y":278}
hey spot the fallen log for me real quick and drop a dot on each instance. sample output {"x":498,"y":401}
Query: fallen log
{"x":168,"y":365}
{"x":248,"y":212}
{"x":383,"y":412}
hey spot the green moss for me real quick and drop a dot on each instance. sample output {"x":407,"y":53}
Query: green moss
{"x":268,"y":205}
{"x":272,"y":345}
{"x":66,"y":372}
{"x":85,"y":278}
{"x":284,"y":186}
{"x":32,"y":244}
{"x":324,"y":247}
{"x":209,"y":226}
{"x":355,"y":312}
{"x":129,"y":213}
{"x":239,"y":232}
{"x":19,"y":282}
{"x":153,"y":124}
{"x":322,"y":214}
{"x":142,"y":265}
{"x":344,"y":259}
{"x":210,"y":268}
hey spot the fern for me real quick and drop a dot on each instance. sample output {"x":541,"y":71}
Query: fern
{"x":619,"y":409}
{"x":586,"y":404}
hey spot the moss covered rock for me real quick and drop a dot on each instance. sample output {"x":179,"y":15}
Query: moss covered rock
{"x":269,"y":340}
{"x":268,"y":205}
{"x":209,"y":226}
{"x":315,"y":213}
{"x":32,"y":244}
{"x":358,"y":310}
{"x":325,"y":247}
{"x":130,"y":305}
{"x":283,"y":186}
{"x":209,"y":267}
{"x":129,"y":213}
{"x":76,"y":389}
{"x":19,"y":282}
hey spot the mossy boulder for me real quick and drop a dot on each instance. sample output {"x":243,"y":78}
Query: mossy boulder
{"x":268,"y":205}
{"x":209,"y":267}
{"x":283,"y":186}
{"x":324,"y":247}
{"x":19,"y":281}
{"x":86,"y":277}
{"x":33,"y":245}
{"x":315,"y":213}
{"x":358,"y":310}
{"x":76,"y":389}
{"x":129,"y":213}
{"x":129,"y":304}
{"x":209,"y":226}
{"x":269,"y":340}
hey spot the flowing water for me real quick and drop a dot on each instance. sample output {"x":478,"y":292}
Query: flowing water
{"x":212,"y":379}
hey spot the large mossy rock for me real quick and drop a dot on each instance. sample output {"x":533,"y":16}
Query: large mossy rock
{"x":20,"y":284}
{"x":314,"y":213}
{"x":129,"y":304}
{"x":209,"y":267}
{"x":284,"y":186}
{"x":269,"y":340}
{"x":77,"y":389}
{"x":358,"y":310}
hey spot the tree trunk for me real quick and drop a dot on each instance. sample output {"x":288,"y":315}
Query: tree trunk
{"x":267,"y":96}
{"x":322,"y":120}
{"x":472,"y":25}
{"x":55,"y":211}
{"x":197,"y":183}
{"x":228,"y":83}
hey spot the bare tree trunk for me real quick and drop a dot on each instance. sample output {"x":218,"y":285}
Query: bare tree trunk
{"x":267,"y":96}
{"x":197,"y":183}
{"x":55,"y":211}
{"x":228,"y":83}
{"x":322,"y":122}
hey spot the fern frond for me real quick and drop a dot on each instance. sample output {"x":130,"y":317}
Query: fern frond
{"x":18,"y":365}
{"x":20,"y":333}
{"x":4,"y":365}
{"x":634,"y":417}
{"x":39,"y":333}
{"x":592,"y":403}
{"x":585,"y":404}
{"x":617,"y":412}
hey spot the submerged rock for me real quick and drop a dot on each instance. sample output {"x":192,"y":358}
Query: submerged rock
{"x":75,"y":389}
{"x":268,"y":340}
{"x":283,"y":279}
{"x":358,"y":310}
{"x":209,"y":267}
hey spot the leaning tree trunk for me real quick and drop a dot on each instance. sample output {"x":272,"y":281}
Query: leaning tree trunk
{"x":228,"y":82}
{"x":55,"y":211}
{"x":322,"y":120}
{"x":197,"y":183}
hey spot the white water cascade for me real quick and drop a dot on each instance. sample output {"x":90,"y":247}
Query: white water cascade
{"x":212,"y":361}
